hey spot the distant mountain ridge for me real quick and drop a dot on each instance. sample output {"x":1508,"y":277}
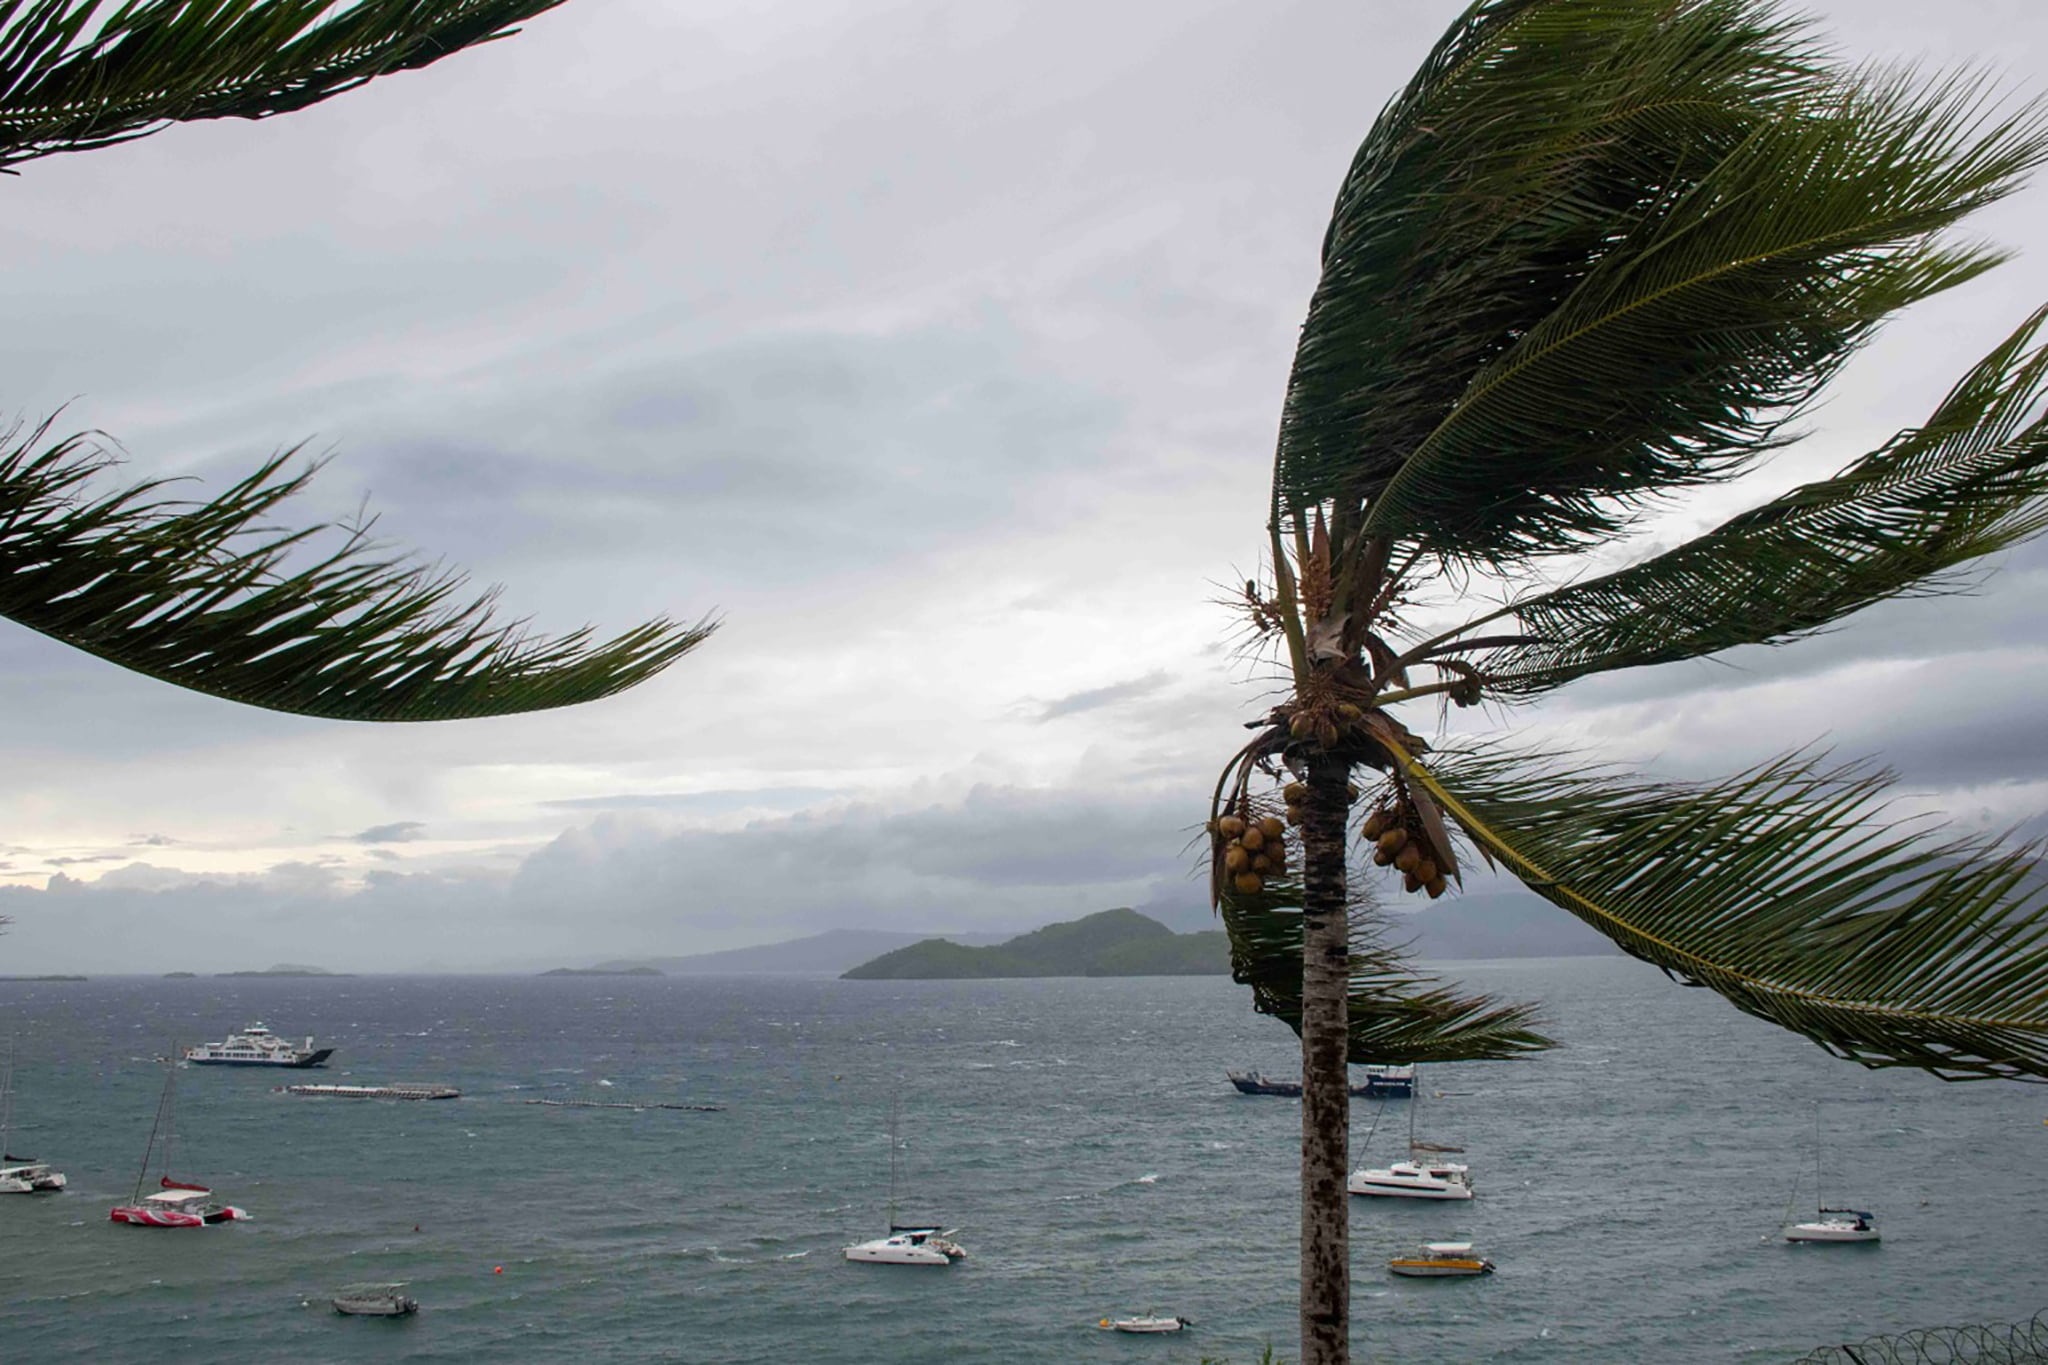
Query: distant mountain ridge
{"x":833,"y":952}
{"x":1118,"y":942}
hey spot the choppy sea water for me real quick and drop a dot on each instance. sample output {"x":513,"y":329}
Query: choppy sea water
{"x":1079,"y":1133}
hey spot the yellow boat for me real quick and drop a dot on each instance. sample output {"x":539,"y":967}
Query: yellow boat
{"x":1441,"y":1260}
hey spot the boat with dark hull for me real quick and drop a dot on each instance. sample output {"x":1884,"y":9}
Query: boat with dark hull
{"x":1381,"y":1082}
{"x":257,"y":1046}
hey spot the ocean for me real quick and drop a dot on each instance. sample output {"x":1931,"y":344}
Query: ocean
{"x":1080,"y":1134}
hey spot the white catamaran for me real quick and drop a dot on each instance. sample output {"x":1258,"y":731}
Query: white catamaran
{"x":1426,"y":1174}
{"x":20,"y":1174}
{"x":906,"y":1244}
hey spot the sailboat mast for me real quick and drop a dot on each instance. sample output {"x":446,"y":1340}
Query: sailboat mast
{"x":170,"y":1104}
{"x":7,"y":1097}
{"x":1414,"y":1103}
{"x":162,"y":1101}
{"x":895,"y":1104}
{"x":1819,"y":1196}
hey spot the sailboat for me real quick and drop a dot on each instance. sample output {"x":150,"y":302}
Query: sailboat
{"x":1829,"y":1224}
{"x":906,"y":1244}
{"x":20,"y":1174}
{"x":1426,"y":1174}
{"x":177,"y":1203}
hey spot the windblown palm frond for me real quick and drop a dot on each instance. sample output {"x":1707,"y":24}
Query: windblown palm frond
{"x":200,"y":595}
{"x":1973,"y":480}
{"x":1603,"y":249}
{"x":76,"y":74}
{"x":1395,"y":1016}
{"x":1785,"y":891}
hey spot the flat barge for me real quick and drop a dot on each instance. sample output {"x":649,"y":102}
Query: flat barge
{"x":375,"y":1092}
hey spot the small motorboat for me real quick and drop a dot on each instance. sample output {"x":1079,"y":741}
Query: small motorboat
{"x":1146,"y":1325}
{"x":1441,"y":1260}
{"x":374,"y":1301}
{"x":1836,"y":1225}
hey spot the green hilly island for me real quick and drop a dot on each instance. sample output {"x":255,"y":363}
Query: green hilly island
{"x":1117,"y":942}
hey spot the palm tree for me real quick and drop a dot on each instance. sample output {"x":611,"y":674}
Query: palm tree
{"x":1599,"y":252}
{"x":318,"y":621}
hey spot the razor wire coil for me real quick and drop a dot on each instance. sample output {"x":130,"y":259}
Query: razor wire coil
{"x":1987,"y":1343}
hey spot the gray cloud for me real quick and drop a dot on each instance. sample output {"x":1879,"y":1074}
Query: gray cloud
{"x":397,"y":832}
{"x":936,"y":345}
{"x":1096,"y":697}
{"x":702,"y":802}
{"x":998,"y":859}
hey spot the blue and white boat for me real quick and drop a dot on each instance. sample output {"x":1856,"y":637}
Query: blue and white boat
{"x":257,"y":1046}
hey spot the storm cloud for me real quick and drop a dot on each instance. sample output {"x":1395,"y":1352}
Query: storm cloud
{"x":937,"y":350}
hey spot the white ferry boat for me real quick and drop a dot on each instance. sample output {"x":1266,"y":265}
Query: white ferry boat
{"x":257,"y":1046}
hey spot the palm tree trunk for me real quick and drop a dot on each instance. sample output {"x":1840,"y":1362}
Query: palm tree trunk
{"x":1325,"y":1082}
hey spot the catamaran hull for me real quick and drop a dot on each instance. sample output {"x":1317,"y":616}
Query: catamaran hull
{"x":136,"y":1216}
{"x":1367,"y":1187}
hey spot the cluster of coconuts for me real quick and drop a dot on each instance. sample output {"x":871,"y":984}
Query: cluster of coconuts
{"x":1254,"y":848}
{"x":1399,"y":842}
{"x":1325,"y":725}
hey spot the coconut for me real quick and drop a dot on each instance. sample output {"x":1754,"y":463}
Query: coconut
{"x":1409,"y":882}
{"x":1249,"y":883}
{"x":1262,"y":864}
{"x":1390,"y":842}
{"x":1436,"y":886}
{"x":1235,"y":859}
{"x":1230,"y":827}
{"x":1273,"y":827}
{"x":1374,"y":826}
{"x":1294,"y":791}
{"x":1409,"y":859}
{"x":1253,"y":838}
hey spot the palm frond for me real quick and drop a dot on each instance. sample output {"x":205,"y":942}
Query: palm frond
{"x":1602,"y":249}
{"x":77,"y":74}
{"x":1396,"y":1016}
{"x":201,"y":594}
{"x":1897,"y":522}
{"x":1786,"y":890}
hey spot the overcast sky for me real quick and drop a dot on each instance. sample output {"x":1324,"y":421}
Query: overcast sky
{"x":938,"y":349}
